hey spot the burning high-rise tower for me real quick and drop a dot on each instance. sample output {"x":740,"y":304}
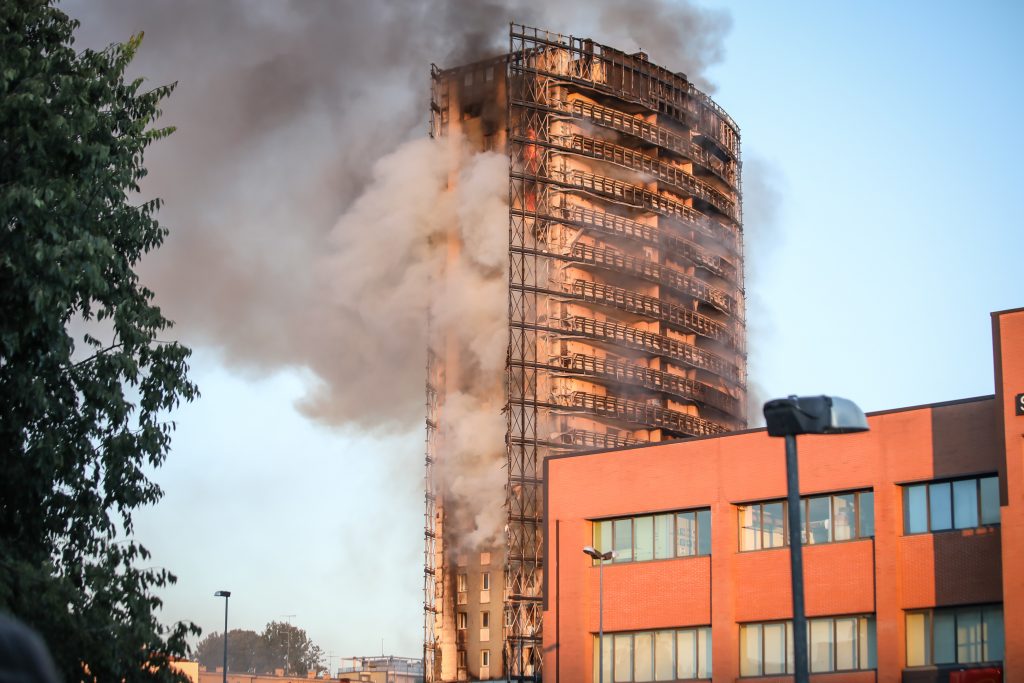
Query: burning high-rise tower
{"x":624,"y":312}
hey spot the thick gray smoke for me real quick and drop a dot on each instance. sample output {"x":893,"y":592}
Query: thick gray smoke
{"x":306,"y":209}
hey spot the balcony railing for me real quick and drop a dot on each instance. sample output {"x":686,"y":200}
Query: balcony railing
{"x":653,"y":134}
{"x":638,"y":304}
{"x":649,"y":342}
{"x":653,"y":272}
{"x":659,"y":170}
{"x":629,"y":373}
{"x":607,"y":70}
{"x":589,"y":439}
{"x":613,"y":225}
{"x":640,"y":198}
{"x":639,"y":413}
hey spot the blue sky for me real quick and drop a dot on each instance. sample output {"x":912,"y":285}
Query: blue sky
{"x":881,"y":137}
{"x":293,"y":518}
{"x":888,"y":131}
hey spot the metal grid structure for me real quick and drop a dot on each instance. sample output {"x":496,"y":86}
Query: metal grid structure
{"x":665,"y":173}
{"x":432,"y":528}
{"x":625,"y":305}
{"x":433,"y":547}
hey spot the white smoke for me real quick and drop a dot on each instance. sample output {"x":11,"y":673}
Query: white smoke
{"x":291,"y":114}
{"x":428,"y":234}
{"x":470,"y":319}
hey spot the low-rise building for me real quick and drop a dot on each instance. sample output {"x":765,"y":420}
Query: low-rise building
{"x":383,"y":669}
{"x":913,"y":539}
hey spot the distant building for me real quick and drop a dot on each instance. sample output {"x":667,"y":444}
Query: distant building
{"x":913,"y":558}
{"x":385,"y":669}
{"x":372,"y":669}
{"x":217,"y":676}
{"x":381,"y":669}
{"x":190,"y":669}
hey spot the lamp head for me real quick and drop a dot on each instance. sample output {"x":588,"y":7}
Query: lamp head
{"x":598,"y":555}
{"x":813,"y":415}
{"x":222,"y":594}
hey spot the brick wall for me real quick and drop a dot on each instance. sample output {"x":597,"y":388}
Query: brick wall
{"x":884,"y":575}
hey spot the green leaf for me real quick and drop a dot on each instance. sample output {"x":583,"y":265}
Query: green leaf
{"x":78,"y":431}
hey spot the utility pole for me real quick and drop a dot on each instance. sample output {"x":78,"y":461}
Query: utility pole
{"x":288,"y":652}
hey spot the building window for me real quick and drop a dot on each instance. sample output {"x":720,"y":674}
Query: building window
{"x":824,"y":519}
{"x":462,"y":622}
{"x":462,"y":659}
{"x":962,"y":635}
{"x":667,"y":655}
{"x":485,"y":581}
{"x":462,"y":582}
{"x":945,"y":505}
{"x":485,"y":657}
{"x":655,"y":537}
{"x":485,"y":620}
{"x":836,"y":644}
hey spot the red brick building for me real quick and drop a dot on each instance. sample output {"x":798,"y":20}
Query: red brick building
{"x":913,"y":555}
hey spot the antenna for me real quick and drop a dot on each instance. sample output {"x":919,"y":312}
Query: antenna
{"x":288,"y":652}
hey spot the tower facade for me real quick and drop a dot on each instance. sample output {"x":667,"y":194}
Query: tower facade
{"x":625,"y":304}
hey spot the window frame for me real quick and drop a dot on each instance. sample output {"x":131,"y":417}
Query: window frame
{"x":787,"y":644}
{"x":701,"y":662}
{"x":856,"y":521}
{"x":929,"y":614}
{"x":951,"y":482}
{"x":610,"y":542}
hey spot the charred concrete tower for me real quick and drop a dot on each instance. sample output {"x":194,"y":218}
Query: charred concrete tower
{"x":625,"y":303}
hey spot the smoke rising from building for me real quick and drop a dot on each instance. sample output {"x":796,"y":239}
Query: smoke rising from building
{"x":762,"y":202}
{"x":282,"y":110}
{"x":307,"y":210}
{"x":381,"y":291}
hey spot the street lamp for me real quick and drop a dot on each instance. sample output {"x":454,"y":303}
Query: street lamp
{"x":789,"y":417}
{"x":225,"y":595}
{"x":600,"y":557}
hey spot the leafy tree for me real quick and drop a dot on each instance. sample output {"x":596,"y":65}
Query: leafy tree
{"x":290,"y":648}
{"x":245,"y":651}
{"x":280,"y":646}
{"x":80,"y":417}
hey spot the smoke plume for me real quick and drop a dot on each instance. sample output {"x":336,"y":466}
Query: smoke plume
{"x":308,"y":211}
{"x":763,"y":185}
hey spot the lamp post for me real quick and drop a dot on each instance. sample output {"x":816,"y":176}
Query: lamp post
{"x":789,"y":417}
{"x":225,"y":595}
{"x":600,"y":557}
